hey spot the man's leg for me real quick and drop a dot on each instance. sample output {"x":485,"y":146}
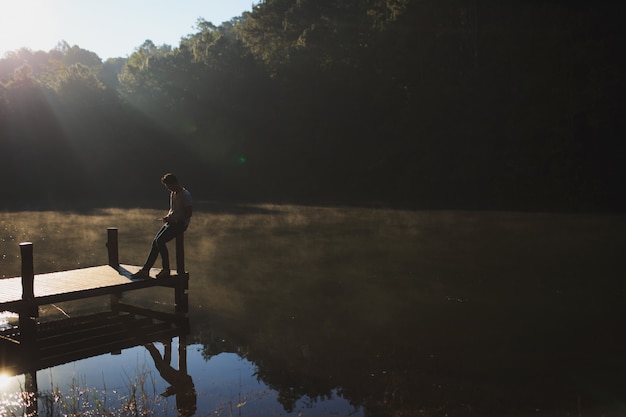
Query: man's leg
{"x":167,"y":233}
{"x":154,"y":250}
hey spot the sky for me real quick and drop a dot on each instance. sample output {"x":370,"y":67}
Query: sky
{"x":110,"y":28}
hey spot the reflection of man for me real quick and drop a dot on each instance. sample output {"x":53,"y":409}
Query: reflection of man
{"x":181,"y":384}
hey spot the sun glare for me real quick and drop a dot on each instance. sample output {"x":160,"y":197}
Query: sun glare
{"x":4,"y":379}
{"x":5,"y":319}
{"x":27,"y":23}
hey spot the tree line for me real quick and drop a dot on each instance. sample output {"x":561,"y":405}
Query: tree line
{"x":456,"y":103}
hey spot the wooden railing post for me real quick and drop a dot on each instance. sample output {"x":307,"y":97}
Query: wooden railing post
{"x":180,"y":254}
{"x":181,"y":298}
{"x":112,"y":247}
{"x":29,"y":311}
{"x":28,"y":272}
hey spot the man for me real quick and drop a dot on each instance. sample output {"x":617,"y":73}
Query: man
{"x":175,"y":222}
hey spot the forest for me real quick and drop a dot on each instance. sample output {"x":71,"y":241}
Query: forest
{"x":459,"y":104}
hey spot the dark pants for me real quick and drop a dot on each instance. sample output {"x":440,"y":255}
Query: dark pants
{"x":164,"y":235}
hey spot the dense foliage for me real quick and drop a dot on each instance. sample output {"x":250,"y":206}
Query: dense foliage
{"x":456,"y":103}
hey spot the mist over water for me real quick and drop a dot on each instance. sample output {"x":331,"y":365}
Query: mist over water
{"x":372,"y":311}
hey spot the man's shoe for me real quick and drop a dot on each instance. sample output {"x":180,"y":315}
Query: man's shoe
{"x":164,"y":273}
{"x":141,"y":274}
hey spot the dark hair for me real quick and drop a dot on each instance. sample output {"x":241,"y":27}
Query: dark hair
{"x":169,"y":179}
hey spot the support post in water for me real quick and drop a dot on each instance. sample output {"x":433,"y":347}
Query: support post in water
{"x":28,"y":272}
{"x":29,"y":310}
{"x":181,"y":296}
{"x":180,"y":254}
{"x":114,"y":259}
{"x":115,"y":301}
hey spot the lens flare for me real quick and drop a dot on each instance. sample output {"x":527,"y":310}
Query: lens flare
{"x":5,"y":378}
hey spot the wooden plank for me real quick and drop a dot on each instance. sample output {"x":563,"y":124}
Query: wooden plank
{"x":80,"y":283}
{"x":10,"y":289}
{"x":158,"y":315}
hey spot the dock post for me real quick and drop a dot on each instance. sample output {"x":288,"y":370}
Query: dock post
{"x":28,"y":272}
{"x":115,"y":301}
{"x":181,"y":295}
{"x":29,"y":311}
{"x":114,"y":259}
{"x":180,"y":254}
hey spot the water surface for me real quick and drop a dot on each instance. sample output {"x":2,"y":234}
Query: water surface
{"x":358,"y":311}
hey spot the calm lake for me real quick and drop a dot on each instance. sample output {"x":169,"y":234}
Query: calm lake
{"x":331,"y":311}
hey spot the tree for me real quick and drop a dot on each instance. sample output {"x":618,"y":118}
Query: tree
{"x":109,"y":73}
{"x":79,"y":87}
{"x":76,"y":55}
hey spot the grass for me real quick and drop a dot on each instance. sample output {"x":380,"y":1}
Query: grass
{"x":78,"y":399}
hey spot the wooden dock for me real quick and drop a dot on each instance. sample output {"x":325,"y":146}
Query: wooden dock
{"x":81,"y":283}
{"x":33,"y":345}
{"x":24,"y":295}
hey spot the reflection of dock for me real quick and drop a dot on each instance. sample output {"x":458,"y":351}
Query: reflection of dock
{"x":67,"y":340}
{"x":62,"y":341}
{"x":34,"y":345}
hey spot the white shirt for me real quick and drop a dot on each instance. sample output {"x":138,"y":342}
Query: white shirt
{"x":178,"y":202}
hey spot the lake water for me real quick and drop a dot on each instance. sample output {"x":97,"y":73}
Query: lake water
{"x":330,"y":311}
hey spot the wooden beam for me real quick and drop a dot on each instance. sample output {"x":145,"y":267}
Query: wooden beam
{"x":112,"y":247}
{"x":28,"y":271}
{"x":180,"y":254}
